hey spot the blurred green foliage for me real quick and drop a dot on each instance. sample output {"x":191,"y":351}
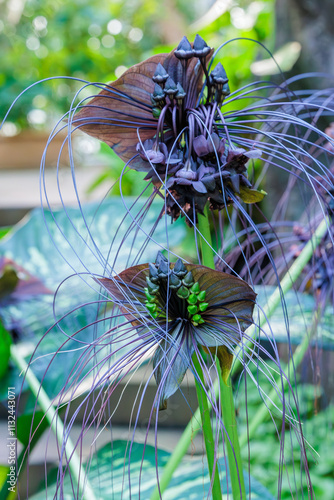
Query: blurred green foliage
{"x":96,"y":41}
{"x":263,"y":451}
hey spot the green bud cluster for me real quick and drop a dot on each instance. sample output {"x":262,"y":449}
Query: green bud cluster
{"x":197,"y":304}
{"x":181,"y":281}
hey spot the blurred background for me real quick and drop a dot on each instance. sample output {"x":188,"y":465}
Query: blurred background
{"x":98,"y":41}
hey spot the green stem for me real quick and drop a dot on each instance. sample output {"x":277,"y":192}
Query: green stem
{"x":207,"y":431}
{"x":181,"y":449}
{"x":232,"y":440}
{"x":226,"y":393}
{"x":78,"y":473}
{"x":287,"y":282}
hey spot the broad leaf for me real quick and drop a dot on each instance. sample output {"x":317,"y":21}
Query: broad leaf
{"x":30,"y":245}
{"x":109,"y":474}
{"x":116,"y":113}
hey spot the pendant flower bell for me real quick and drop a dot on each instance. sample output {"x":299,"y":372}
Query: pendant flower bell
{"x":163,"y":117}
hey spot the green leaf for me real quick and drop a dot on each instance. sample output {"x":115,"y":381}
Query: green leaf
{"x":30,"y":427}
{"x":108,"y":474}
{"x":5,"y":343}
{"x":4,"y":231}
{"x":251,"y":195}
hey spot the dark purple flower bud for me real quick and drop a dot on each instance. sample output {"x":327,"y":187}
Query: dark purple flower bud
{"x":160,"y":76}
{"x":186,"y":172}
{"x":160,"y":258}
{"x":208,"y":147}
{"x":174,"y":282}
{"x":170,"y":88}
{"x":218,"y":75}
{"x":153,"y":273}
{"x":151,"y":151}
{"x":200,"y":145}
{"x":158,"y":94}
{"x":226,"y":90}
{"x":181,"y":94}
{"x":180,"y":269}
{"x":201,"y":49}
{"x":184,"y":49}
{"x":171,"y":181}
{"x":163,"y":269}
{"x":203,"y":170}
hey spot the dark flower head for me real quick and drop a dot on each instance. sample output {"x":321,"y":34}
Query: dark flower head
{"x":318,"y":275}
{"x":166,"y":109}
{"x":183,"y":306}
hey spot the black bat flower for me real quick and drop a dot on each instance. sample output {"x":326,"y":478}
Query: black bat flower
{"x":183,"y":306}
{"x":163,"y":117}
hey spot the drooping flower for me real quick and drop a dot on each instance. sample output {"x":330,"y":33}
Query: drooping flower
{"x":181,"y":307}
{"x":163,"y":115}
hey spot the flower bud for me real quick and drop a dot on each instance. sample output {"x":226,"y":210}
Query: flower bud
{"x":218,"y":75}
{"x":158,"y":94}
{"x":160,"y":76}
{"x":170,"y":88}
{"x":179,"y":269}
{"x":201,"y":49}
{"x":184,"y":49}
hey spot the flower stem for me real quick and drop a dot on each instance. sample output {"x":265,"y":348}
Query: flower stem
{"x":226,"y":393}
{"x":287,"y":282}
{"x":75,"y":464}
{"x":207,"y":431}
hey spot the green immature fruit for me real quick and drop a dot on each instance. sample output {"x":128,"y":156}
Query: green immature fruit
{"x":151,"y":307}
{"x":192,"y":299}
{"x":149,"y":297}
{"x":192,"y":309}
{"x":156,"y":112}
{"x":201,"y":296}
{"x":195,"y":288}
{"x":183,"y":292}
{"x":196,"y":318}
{"x":203,"y":306}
